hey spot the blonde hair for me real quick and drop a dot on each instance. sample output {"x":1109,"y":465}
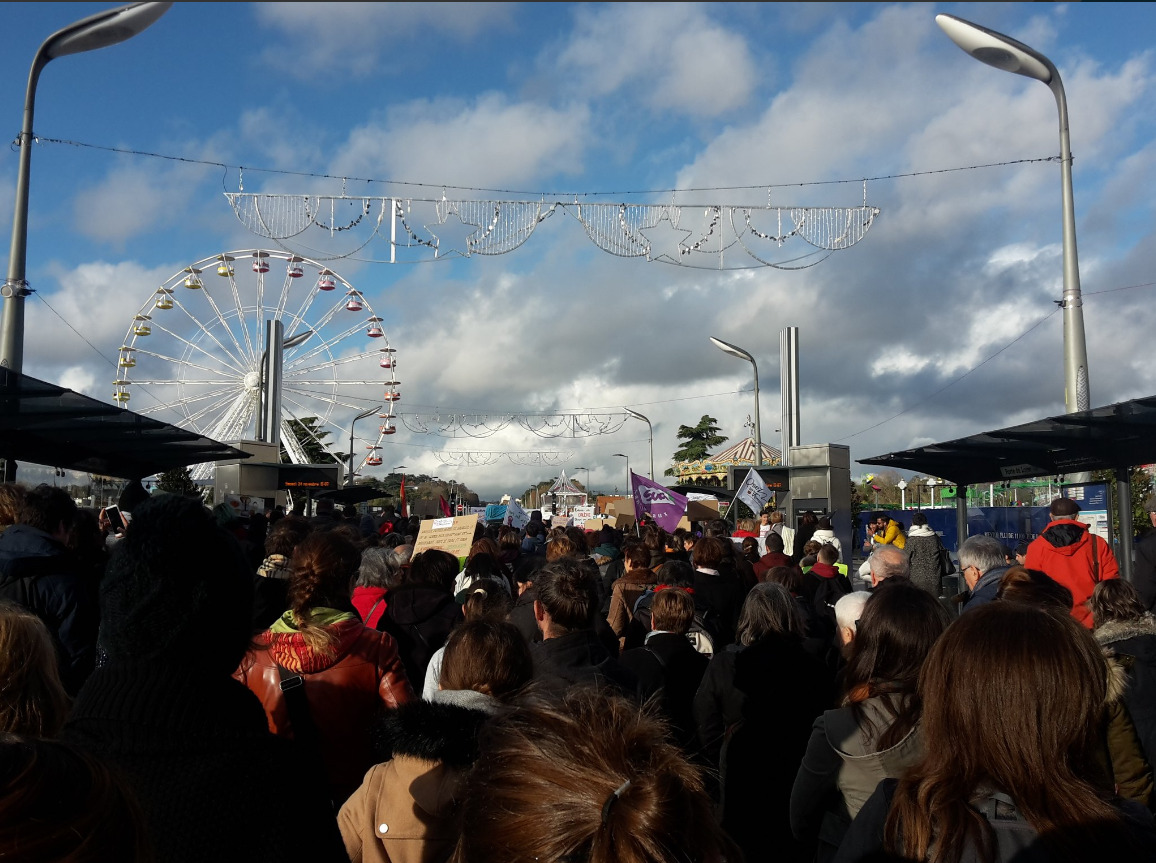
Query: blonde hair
{"x":32,"y":699}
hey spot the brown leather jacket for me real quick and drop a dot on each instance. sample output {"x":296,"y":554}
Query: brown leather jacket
{"x":345,"y":692}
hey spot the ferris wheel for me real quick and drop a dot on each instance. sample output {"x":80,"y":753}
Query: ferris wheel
{"x":195,"y":356}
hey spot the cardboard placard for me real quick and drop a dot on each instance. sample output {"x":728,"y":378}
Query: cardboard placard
{"x":455,"y":535}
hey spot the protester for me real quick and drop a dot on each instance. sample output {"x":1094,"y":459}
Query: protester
{"x":319,"y":672}
{"x":1069,"y":553}
{"x":427,"y":747}
{"x":760,"y":699}
{"x":825,"y":535}
{"x":483,"y":599}
{"x":39,"y":573}
{"x":585,"y":777}
{"x":380,"y":571}
{"x":875,"y":732}
{"x":194,"y":744}
{"x":32,"y":699}
{"x":717,"y":586}
{"x":668,"y":663}
{"x":58,"y":803}
{"x":636,"y":580}
{"x":1012,"y":698}
{"x":923,"y":549}
{"x":422,"y":610}
{"x":271,"y":583}
{"x":982,"y":565}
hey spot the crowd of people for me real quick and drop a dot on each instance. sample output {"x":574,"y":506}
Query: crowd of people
{"x":179,"y":685}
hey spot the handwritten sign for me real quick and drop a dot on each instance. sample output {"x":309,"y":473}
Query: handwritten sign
{"x":455,"y":535}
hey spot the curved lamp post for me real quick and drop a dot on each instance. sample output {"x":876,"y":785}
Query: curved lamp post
{"x":734,"y":351}
{"x":88,"y":34}
{"x":1006,"y":53}
{"x":360,"y":416}
{"x":629,"y":484}
{"x":639,"y":416}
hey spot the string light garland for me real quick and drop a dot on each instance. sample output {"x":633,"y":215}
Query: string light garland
{"x":480,"y":425}
{"x":415,"y":230}
{"x":522,"y":458}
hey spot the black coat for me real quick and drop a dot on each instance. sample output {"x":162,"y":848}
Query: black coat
{"x":212,"y":781}
{"x":724,"y":595}
{"x":755,"y":709}
{"x":668,"y":664}
{"x":581,"y":658}
{"x":42,"y":576}
{"x":420,"y":618}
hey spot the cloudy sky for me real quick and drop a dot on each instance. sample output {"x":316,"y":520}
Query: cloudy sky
{"x":939,"y":323}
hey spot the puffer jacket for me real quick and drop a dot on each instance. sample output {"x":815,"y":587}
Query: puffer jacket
{"x":345,"y":691}
{"x":827,"y":537}
{"x":1064,"y":550}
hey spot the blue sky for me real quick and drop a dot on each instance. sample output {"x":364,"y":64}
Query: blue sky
{"x":939,"y":323}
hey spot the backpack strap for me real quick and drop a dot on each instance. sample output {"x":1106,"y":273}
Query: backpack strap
{"x":304,"y":728}
{"x":1095,"y":560}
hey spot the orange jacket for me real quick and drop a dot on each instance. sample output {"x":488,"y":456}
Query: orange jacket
{"x":1064,"y":552}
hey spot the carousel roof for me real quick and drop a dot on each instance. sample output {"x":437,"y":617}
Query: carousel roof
{"x":562,"y":486}
{"x":741,"y":453}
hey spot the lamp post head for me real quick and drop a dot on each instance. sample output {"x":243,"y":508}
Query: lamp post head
{"x":901,"y":485}
{"x":296,"y":339}
{"x":367,"y":413}
{"x":636,"y":415}
{"x":620,"y":454}
{"x":996,"y":49}
{"x":728,"y":348}
{"x":104,"y":29}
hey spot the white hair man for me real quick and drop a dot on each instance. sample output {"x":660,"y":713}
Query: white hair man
{"x":981,"y":563}
{"x":887,"y":561}
{"x":848,"y":610}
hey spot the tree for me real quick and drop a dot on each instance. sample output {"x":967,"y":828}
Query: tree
{"x":178,"y":480}
{"x":699,"y":441}
{"x":312,"y":437}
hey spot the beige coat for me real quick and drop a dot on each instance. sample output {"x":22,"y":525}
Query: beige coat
{"x":406,"y":811}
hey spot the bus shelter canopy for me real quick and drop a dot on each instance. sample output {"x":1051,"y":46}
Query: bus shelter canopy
{"x":1107,"y":438}
{"x":46,"y":424}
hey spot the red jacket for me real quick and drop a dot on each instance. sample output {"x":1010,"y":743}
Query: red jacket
{"x":1064,"y":552}
{"x":345,"y":692}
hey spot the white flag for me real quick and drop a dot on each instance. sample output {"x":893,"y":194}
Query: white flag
{"x":754,"y":492}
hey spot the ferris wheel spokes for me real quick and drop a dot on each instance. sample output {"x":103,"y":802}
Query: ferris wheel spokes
{"x":238,"y":360}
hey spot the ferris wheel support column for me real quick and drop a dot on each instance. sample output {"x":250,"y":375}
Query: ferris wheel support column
{"x":269,"y":422}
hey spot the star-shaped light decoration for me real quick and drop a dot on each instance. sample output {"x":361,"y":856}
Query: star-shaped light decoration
{"x":667,"y":242}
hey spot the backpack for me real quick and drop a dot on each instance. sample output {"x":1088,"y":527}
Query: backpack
{"x":703,"y":632}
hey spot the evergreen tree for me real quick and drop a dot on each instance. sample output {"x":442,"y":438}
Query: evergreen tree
{"x":699,"y":441}
{"x":178,"y":480}
{"x":311,"y":436}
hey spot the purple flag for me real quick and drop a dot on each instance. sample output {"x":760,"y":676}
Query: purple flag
{"x":665,"y":506}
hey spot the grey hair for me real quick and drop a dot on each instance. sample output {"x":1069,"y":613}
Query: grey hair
{"x":404,"y":553}
{"x":380,"y":567}
{"x":769,"y":607}
{"x":888,"y":561}
{"x":849,"y":609}
{"x":983,"y":552}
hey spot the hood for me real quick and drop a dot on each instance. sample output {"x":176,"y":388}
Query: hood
{"x":1120,"y":630}
{"x":1117,"y":680}
{"x":432,"y":731}
{"x":824,"y":570}
{"x":411,"y":604}
{"x":289,"y":649}
{"x":1066,"y":536}
{"x":920,"y":530}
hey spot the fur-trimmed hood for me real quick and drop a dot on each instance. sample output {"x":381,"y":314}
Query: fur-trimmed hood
{"x":1117,"y":679}
{"x":1121,"y":630}
{"x":431,"y":731}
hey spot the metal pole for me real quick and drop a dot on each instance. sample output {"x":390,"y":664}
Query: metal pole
{"x":271,"y":382}
{"x":650,"y":438}
{"x":1124,"y":508}
{"x":789,"y":387}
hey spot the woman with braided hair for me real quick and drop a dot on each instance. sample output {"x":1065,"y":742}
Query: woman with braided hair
{"x":321,"y":674}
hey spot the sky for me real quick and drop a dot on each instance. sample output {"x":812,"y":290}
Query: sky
{"x":938,"y":323}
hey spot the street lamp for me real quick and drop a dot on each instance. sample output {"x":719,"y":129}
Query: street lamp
{"x":88,"y":34}
{"x":629,"y":484}
{"x":902,"y":486}
{"x":1006,"y":53}
{"x":587,"y":481}
{"x":639,"y":416}
{"x":360,"y":416}
{"x":728,"y":348}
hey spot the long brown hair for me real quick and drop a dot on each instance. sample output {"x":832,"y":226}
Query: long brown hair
{"x":32,"y":698}
{"x":1013,"y":698}
{"x":899,"y":624}
{"x":586,"y":776}
{"x":324,"y":567}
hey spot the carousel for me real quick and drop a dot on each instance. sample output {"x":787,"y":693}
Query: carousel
{"x":712,"y":470}
{"x":564,"y":495}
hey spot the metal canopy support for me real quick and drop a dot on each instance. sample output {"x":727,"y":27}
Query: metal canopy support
{"x":1124,"y":509}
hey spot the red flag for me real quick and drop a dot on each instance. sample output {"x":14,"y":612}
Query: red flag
{"x":404,"y":513}
{"x":445,"y":507}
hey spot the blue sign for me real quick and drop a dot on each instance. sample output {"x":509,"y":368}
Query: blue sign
{"x":1008,"y":524}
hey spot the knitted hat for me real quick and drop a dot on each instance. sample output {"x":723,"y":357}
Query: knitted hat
{"x":177,"y":590}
